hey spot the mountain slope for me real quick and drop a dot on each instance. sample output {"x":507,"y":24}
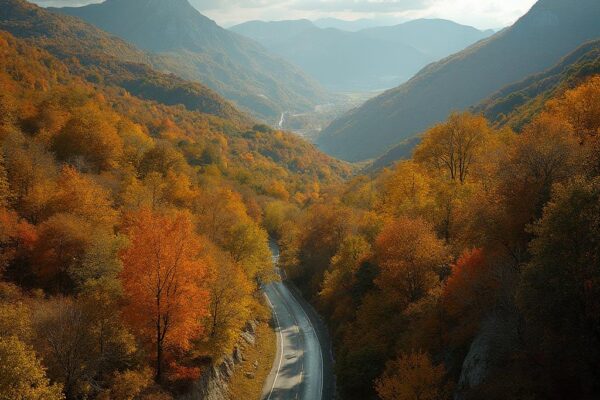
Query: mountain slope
{"x":273,"y":34}
{"x":339,"y":60}
{"x":551,"y":29}
{"x":100,"y":57}
{"x":516,"y":104}
{"x":196,"y":48}
{"x":355,"y":25}
{"x":371,"y":59}
{"x":426,"y":34}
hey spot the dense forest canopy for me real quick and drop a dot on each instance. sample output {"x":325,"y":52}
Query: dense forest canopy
{"x":93,"y":183}
{"x":469,"y":270}
{"x":136,"y":211}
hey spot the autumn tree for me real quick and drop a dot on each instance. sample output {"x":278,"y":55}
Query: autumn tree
{"x":22,"y":376}
{"x":230,"y":303}
{"x":17,"y":238}
{"x":82,"y":341}
{"x":412,"y":376}
{"x":128,"y":385}
{"x":580,"y":108}
{"x":454,"y":146}
{"x":546,"y":153}
{"x":90,"y":136}
{"x":63,"y":242}
{"x":15,"y":314}
{"x":409,"y":255}
{"x":8,"y":106}
{"x":324,"y":229}
{"x":219,"y":209}
{"x":248,"y":244}
{"x":162,"y":158}
{"x":340,"y":280}
{"x":471,"y":291}
{"x":277,"y":215}
{"x":136,"y":142}
{"x":63,"y":341}
{"x":406,"y":191}
{"x":79,"y":194}
{"x":5,"y":193}
{"x":560,"y":288}
{"x":31,"y":175}
{"x":164,"y":280}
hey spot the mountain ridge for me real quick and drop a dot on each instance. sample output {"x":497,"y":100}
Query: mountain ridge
{"x":189,"y":44}
{"x":101,"y":57}
{"x":516,"y":104}
{"x":365,"y":60}
{"x":538,"y":40}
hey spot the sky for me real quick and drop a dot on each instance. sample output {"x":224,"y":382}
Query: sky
{"x":483,"y":14}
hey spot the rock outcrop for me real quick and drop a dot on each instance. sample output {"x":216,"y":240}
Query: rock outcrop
{"x":213,"y":384}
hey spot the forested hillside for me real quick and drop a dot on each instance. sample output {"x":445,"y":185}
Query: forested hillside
{"x":102,"y":58}
{"x":185,"y":42}
{"x":469,"y":271}
{"x":137,"y":210}
{"x":548,"y":32}
{"x":515,"y":105}
{"x":98,"y":188}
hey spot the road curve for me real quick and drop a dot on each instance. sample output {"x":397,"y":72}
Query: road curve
{"x":302,"y":368}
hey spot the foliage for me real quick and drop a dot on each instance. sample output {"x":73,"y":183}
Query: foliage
{"x":482,"y":246}
{"x":164,"y":282}
{"x":90,"y":174}
{"x":559,"y":288}
{"x":412,"y":377}
{"x":22,"y":375}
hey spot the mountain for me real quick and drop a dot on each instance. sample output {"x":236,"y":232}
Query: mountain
{"x":103,"y":58}
{"x":340,"y":60}
{"x":426,"y":34}
{"x":187,"y":43}
{"x":516,"y":104}
{"x":367,"y":60}
{"x":274,"y":34}
{"x":551,"y":29}
{"x":355,"y":25}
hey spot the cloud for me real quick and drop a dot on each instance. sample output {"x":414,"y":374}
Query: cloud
{"x":370,"y":6}
{"x":479,"y":13}
{"x":362,"y":6}
{"x":228,"y":4}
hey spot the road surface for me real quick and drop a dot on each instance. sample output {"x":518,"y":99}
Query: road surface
{"x":302,"y":369}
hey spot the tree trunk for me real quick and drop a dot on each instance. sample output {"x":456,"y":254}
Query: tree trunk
{"x":158,"y":377}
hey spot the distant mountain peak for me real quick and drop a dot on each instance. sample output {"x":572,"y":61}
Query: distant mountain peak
{"x":191,"y":45}
{"x":537,"y":41}
{"x":154,"y":25}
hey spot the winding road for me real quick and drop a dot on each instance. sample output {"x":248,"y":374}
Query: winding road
{"x":302,"y":369}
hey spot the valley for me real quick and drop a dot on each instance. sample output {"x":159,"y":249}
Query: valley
{"x":326,"y":200}
{"x":309,"y":125}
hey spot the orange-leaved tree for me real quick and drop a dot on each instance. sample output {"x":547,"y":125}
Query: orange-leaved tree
{"x":412,"y":377}
{"x":409,"y":256}
{"x":164,"y":279}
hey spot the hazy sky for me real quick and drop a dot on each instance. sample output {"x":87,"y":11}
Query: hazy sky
{"x":479,"y":13}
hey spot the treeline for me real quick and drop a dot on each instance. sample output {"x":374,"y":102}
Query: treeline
{"x":131,"y":239}
{"x":472,"y":269}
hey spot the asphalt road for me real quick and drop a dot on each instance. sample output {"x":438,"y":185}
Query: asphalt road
{"x":302,"y":369}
